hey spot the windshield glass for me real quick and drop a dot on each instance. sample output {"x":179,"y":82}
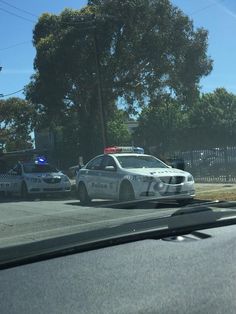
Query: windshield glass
{"x":134,"y":101}
{"x":140,"y":162}
{"x":33,"y":168}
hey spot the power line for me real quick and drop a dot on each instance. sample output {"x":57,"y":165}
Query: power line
{"x":19,"y":16}
{"x":19,"y":9}
{"x":206,"y":7}
{"x":15,"y":45}
{"x":16,"y":92}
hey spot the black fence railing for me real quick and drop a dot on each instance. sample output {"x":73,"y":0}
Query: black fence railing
{"x":216,"y":165}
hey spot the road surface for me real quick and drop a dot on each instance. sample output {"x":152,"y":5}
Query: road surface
{"x":27,"y":221}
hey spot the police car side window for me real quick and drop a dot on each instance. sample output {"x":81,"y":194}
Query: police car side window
{"x":108,"y":161}
{"x":95,"y":164}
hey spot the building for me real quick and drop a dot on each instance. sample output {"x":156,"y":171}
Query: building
{"x":131,"y":125}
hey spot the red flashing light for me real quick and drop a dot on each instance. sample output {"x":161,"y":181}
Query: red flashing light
{"x":112,"y":150}
{"x":123,"y":149}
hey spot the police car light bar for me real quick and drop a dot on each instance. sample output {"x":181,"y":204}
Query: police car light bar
{"x":123,"y":149}
{"x":41,"y":160}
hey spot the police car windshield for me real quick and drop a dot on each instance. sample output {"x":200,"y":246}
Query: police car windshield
{"x":37,"y":168}
{"x":140,"y":162}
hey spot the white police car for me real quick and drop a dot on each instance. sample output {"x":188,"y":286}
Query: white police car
{"x":36,"y":177}
{"x":126,"y":173}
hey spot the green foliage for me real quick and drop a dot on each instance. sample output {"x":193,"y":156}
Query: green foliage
{"x":146,"y":50}
{"x":117,"y":130}
{"x":218,"y":107}
{"x":159,"y":125}
{"x":213,"y":118}
{"x":155,"y":49}
{"x":16,"y":123}
{"x":168,"y":126}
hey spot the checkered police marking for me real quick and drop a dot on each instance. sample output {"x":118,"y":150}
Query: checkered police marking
{"x":6,"y":182}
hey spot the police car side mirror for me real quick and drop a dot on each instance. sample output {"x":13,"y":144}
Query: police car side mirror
{"x":110,"y":168}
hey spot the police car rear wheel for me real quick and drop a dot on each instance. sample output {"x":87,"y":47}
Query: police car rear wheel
{"x":126,"y":192}
{"x":83,"y":194}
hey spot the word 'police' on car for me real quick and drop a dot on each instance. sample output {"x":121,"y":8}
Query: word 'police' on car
{"x":126,"y":173}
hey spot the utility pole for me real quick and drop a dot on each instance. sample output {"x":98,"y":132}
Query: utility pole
{"x":93,"y":27}
{"x":99,"y":87}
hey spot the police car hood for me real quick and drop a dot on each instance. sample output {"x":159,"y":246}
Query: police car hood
{"x":44,"y":174}
{"x":157,"y":172}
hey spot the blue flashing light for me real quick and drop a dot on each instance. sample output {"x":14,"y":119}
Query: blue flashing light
{"x":138,"y":150}
{"x":41,"y":160}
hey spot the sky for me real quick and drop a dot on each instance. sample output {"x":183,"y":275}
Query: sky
{"x":18,"y":17}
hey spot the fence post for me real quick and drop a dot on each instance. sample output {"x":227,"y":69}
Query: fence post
{"x":226,"y":163}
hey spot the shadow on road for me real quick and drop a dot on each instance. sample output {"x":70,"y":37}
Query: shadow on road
{"x":130,"y":206}
{"x":160,"y":204}
{"x":34,"y":198}
{"x":72,"y":201}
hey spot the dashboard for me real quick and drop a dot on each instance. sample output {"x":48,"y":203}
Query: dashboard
{"x":195,"y":273}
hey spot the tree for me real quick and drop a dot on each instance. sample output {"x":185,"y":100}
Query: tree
{"x":16,"y":123}
{"x":210,"y":122}
{"x":146,"y":49}
{"x":117,"y":130}
{"x":213,"y":119}
{"x":155,"y":49}
{"x":160,"y":126}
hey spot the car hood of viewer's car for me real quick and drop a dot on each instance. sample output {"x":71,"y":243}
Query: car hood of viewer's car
{"x":157,"y":171}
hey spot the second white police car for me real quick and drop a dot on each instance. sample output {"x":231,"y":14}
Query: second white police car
{"x":126,"y":173}
{"x":35,"y":177}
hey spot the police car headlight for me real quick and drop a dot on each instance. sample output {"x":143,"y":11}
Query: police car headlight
{"x":142,"y":178}
{"x":190,"y":178}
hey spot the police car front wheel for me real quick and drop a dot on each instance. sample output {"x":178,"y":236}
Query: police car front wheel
{"x":126,"y":192}
{"x":83,"y":194}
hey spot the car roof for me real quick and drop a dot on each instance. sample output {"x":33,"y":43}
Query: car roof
{"x":127,"y":154}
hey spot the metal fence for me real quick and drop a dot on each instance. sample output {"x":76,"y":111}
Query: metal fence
{"x":215,"y":165}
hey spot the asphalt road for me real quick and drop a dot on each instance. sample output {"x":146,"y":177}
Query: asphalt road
{"x":27,"y":221}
